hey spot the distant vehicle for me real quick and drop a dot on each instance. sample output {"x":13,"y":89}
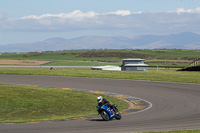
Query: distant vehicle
{"x":107,"y":113}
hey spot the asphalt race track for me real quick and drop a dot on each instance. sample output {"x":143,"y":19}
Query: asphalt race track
{"x":175,"y":106}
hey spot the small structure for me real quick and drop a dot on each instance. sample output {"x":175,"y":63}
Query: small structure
{"x":195,"y":62}
{"x":133,"y":65}
{"x":112,"y":68}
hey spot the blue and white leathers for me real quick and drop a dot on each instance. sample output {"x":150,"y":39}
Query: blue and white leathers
{"x":107,"y":113}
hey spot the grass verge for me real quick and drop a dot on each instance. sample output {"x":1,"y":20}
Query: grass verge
{"x":151,"y":75}
{"x":27,"y":104}
{"x":80,"y":63}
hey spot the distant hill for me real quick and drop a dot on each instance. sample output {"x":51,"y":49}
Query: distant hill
{"x":186,"y":40}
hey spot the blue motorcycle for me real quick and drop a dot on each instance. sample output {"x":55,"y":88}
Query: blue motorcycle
{"x":107,"y":113}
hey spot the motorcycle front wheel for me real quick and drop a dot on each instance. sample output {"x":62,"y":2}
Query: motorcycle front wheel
{"x":105,"y":116}
{"x":118,"y":115}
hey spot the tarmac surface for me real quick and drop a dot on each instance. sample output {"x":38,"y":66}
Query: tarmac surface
{"x":175,"y":106}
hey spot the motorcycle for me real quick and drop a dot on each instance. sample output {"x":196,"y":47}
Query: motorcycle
{"x":107,"y":113}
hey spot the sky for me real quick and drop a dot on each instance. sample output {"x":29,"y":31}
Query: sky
{"x":37,"y":20}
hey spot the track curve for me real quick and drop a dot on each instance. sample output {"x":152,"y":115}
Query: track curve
{"x":175,"y":105}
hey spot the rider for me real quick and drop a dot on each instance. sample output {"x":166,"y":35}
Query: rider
{"x":103,"y":101}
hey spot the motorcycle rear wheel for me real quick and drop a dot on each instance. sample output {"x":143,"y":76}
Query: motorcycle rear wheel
{"x":105,"y":116}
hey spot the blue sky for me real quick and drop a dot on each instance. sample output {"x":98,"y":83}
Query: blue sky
{"x":18,"y":8}
{"x":36,"y":20}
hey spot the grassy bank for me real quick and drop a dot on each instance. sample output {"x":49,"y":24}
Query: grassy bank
{"x":27,"y":104}
{"x":151,"y":75}
{"x":114,"y":55}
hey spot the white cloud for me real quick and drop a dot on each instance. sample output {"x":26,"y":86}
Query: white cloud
{"x":77,"y":14}
{"x":74,"y":14}
{"x":120,"y":12}
{"x":182,"y":10}
{"x":133,"y":22}
{"x":51,"y":21}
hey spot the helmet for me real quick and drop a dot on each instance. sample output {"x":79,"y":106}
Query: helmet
{"x":99,"y":99}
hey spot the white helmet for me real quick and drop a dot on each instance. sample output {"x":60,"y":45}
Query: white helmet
{"x":99,"y":99}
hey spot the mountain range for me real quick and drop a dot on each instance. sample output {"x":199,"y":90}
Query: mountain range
{"x":185,"y":40}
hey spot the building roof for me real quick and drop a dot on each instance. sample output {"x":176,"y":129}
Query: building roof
{"x":136,"y":65}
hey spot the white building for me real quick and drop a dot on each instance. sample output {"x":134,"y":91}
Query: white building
{"x":133,"y":65}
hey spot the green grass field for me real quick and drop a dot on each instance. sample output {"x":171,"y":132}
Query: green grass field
{"x":151,"y":75}
{"x":113,"y":58}
{"x":80,"y":63}
{"x":27,"y":104}
{"x":72,"y":55}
